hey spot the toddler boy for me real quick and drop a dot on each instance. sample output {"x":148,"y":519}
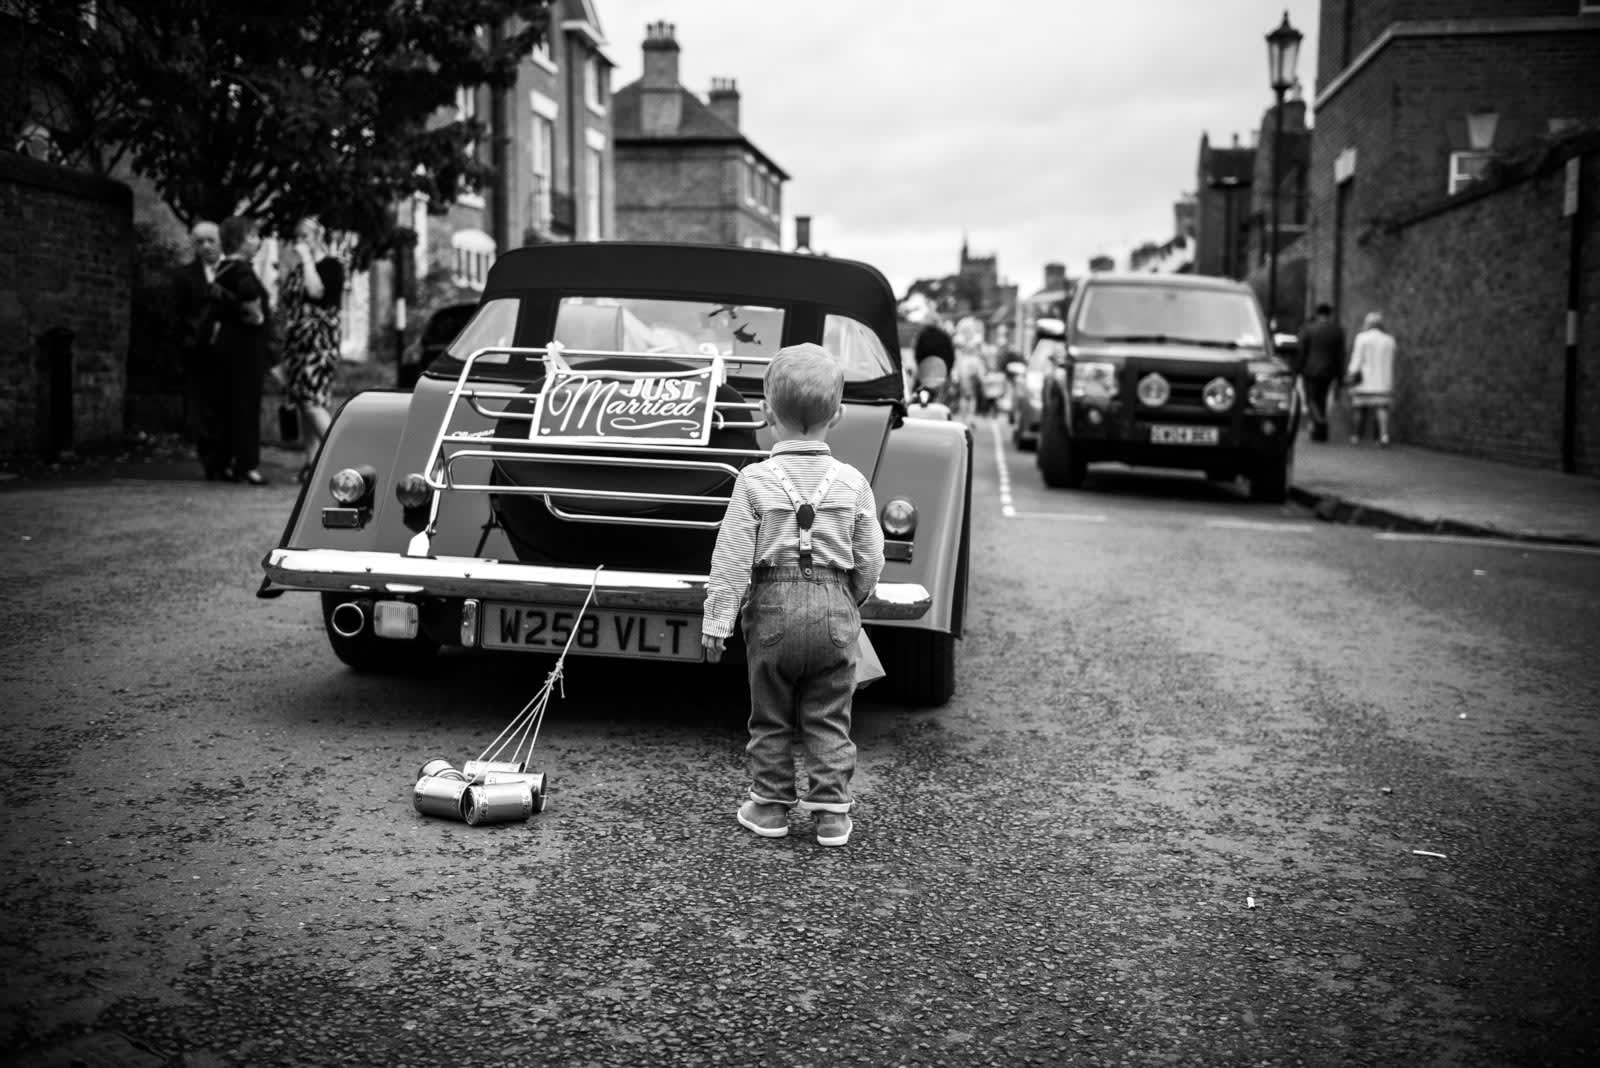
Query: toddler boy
{"x":802,"y":535}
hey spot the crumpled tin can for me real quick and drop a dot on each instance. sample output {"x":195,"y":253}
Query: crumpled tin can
{"x":535,"y":780}
{"x":475,"y":770}
{"x":435,"y":795}
{"x":500,"y":802}
{"x":440,"y":767}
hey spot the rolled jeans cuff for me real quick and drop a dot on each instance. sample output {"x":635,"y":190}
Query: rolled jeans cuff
{"x":826,"y":806}
{"x":760,"y":800}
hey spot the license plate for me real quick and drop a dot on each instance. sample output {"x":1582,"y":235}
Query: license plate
{"x":1183,"y":435}
{"x":546,"y":628}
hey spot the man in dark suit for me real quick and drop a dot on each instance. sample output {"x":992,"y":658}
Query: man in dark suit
{"x":1322,"y":359}
{"x":195,"y":304}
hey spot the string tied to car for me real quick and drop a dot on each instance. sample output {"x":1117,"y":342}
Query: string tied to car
{"x":501,"y":785}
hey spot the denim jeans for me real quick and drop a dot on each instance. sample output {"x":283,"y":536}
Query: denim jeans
{"x":800,"y":640}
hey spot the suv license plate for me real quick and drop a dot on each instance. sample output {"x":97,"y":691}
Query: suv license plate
{"x":1183,"y":435}
{"x":546,"y":628}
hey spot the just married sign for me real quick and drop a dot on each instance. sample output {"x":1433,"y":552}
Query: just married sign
{"x":626,"y":407}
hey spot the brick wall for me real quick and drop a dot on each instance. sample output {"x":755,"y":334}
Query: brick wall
{"x":688,"y":192}
{"x":1405,"y":112}
{"x":66,"y":260}
{"x":1476,"y":295}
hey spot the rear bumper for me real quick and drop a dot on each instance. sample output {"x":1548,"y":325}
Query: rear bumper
{"x":342,"y":571}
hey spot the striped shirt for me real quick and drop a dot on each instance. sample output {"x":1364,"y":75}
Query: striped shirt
{"x":761,"y":530}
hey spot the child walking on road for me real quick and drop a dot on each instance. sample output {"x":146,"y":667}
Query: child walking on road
{"x":802,"y":536}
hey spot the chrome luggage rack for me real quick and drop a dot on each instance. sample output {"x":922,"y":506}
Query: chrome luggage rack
{"x":451,"y":446}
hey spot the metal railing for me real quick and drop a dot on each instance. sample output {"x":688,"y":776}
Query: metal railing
{"x":493,"y":401}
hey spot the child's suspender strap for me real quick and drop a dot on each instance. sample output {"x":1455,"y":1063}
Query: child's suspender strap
{"x":805,"y":512}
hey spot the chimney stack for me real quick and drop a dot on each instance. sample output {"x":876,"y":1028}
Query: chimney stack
{"x":802,"y":233}
{"x":1055,"y":276}
{"x":724,"y":100}
{"x":660,"y":102}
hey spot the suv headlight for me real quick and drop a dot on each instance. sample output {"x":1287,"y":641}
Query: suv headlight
{"x":1093,"y":380}
{"x":1272,"y":392}
{"x":1219,"y":394}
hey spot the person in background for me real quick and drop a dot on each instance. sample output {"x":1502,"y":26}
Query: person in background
{"x":1370,"y":378}
{"x":310,"y":296}
{"x":241,"y":347}
{"x":799,"y":550}
{"x":935,"y":355}
{"x":196,"y":308}
{"x":1321,"y":359}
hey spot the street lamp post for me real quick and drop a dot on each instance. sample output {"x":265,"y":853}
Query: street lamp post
{"x":1283,"y":52}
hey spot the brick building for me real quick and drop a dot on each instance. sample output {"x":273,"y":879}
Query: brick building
{"x":685,"y":170}
{"x":1293,"y":212}
{"x":550,"y":142}
{"x":66,"y":270}
{"x":1223,"y":181}
{"x":1429,"y":202}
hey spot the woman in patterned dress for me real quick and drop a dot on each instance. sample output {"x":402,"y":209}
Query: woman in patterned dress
{"x":313,"y":284}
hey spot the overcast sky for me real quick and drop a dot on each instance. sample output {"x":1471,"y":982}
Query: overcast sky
{"x":1044,"y":129}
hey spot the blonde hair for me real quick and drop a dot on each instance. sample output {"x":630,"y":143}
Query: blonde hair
{"x":1373,"y":319}
{"x":805,"y":385}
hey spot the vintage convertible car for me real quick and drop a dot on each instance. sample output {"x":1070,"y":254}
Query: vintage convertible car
{"x":584,"y":431}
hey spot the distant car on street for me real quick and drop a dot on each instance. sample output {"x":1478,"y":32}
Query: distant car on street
{"x":1027,"y":389}
{"x":438,"y":332}
{"x":583,"y":430}
{"x":1169,"y":371}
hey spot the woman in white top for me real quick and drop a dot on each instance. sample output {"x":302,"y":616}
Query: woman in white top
{"x":1370,"y":377}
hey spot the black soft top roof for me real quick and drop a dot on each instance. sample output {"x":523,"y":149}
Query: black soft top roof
{"x":664,"y":270}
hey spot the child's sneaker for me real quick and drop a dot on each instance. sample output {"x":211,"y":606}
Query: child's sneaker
{"x":769,"y":821}
{"x":833,"y":828}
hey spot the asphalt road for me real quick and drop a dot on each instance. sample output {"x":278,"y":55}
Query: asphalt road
{"x":1221,"y":784}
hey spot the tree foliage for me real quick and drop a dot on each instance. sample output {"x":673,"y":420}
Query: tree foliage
{"x":336,"y":109}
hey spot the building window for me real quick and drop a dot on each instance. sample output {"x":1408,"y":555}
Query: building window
{"x":542,"y":151}
{"x":474,"y":252}
{"x":467,"y":111}
{"x":541,"y":54}
{"x":592,"y":171}
{"x":594,"y":84}
{"x":1466,"y":168}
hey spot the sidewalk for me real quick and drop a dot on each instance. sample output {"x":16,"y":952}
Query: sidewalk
{"x":1407,"y":488}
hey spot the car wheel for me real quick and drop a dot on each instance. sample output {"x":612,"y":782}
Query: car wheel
{"x":1269,"y":482}
{"x":1061,"y":464}
{"x":919,"y":666}
{"x":365,"y":651}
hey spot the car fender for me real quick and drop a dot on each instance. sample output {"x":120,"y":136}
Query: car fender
{"x":929,"y":462}
{"x":366,"y":431}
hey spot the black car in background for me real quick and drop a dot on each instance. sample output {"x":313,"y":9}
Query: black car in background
{"x":437,"y":333}
{"x":1175,"y":371}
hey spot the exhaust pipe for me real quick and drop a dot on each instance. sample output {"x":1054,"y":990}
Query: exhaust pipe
{"x":348,"y":620}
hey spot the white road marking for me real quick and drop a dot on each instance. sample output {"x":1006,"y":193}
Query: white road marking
{"x":1491,"y":543}
{"x":1006,"y":509}
{"x":1256,"y":524}
{"x":1071,"y":517}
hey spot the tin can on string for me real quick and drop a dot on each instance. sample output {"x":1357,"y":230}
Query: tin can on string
{"x":501,"y":802}
{"x":440,"y":767}
{"x":435,"y":795}
{"x":474,"y":770}
{"x":535,"y":781}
